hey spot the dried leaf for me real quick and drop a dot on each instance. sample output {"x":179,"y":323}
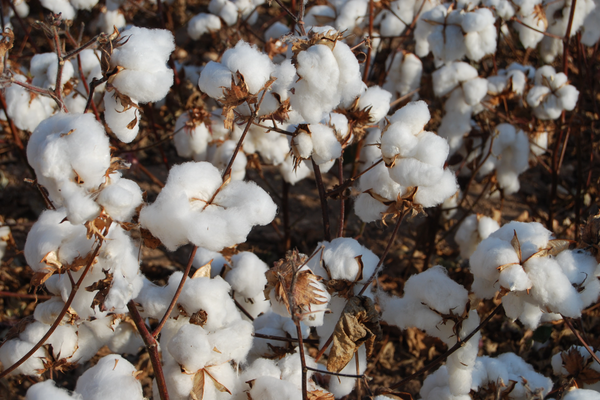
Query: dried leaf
{"x":99,"y":226}
{"x":103,"y":287}
{"x":80,"y":262}
{"x":579,"y":368}
{"x":203,"y":271}
{"x":149,"y":240}
{"x":358,"y":325}
{"x":197,"y":392}
{"x":233,"y":97}
{"x":220,"y":387}
{"x":516,"y":245}
{"x":319,"y":395}
{"x":199,"y":318}
{"x":6,"y":43}
{"x":41,"y":276}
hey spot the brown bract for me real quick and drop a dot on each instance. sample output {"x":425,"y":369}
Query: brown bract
{"x":281,"y":278}
{"x":579,"y":368}
{"x":358,"y":325}
{"x":103,"y":287}
{"x":328,"y":39}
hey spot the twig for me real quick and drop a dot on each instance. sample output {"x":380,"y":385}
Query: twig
{"x":163,"y":321}
{"x":152,"y":347}
{"x":25,"y":295}
{"x":323,"y":197}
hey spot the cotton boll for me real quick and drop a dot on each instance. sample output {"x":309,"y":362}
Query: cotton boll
{"x":223,"y":153}
{"x":579,"y":267}
{"x":277,"y":30}
{"x":112,"y":377}
{"x":325,"y":144}
{"x":121,"y":199}
{"x":270,"y":388}
{"x":255,"y":66}
{"x":217,"y":261}
{"x":12,"y":351}
{"x":518,"y":370}
{"x":368,"y":208}
{"x":60,"y":7}
{"x":351,"y":15}
{"x":514,"y":278}
{"x":191,"y":137}
{"x":190,"y":347}
{"x":27,"y":111}
{"x":489,"y":255}
{"x":431,"y":196}
{"x":201,"y":24}
{"x":582,"y":394}
{"x":63,"y":340}
{"x":379,"y":101}
{"x":340,"y":259}
{"x":154,"y":299}
{"x":247,"y":277}
{"x":415,"y":115}
{"x":47,"y":390}
{"x":126,"y":339}
{"x":449,"y":76}
{"x":475,"y":90}
{"x":342,"y":386}
{"x":292,"y":174}
{"x":213,"y":78}
{"x":144,"y":86}
{"x":472,"y":231}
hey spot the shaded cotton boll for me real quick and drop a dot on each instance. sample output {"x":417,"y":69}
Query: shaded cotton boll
{"x":221,"y":154}
{"x":123,"y":119}
{"x":520,"y":372}
{"x":451,"y":75}
{"x":47,"y":390}
{"x":503,"y":8}
{"x":126,"y":339}
{"x":191,"y":136}
{"x":271,"y":323}
{"x":351,"y":15}
{"x":538,"y":144}
{"x":472,"y":231}
{"x":461,"y":363}
{"x":582,"y":394}
{"x":60,"y":7}
{"x":392,"y":21}
{"x":213,"y":78}
{"x":59,"y":241}
{"x":70,"y":155}
{"x":44,"y":69}
{"x":378,"y":100}
{"x":181,"y":214}
{"x":532,"y":17}
{"x":509,"y":156}
{"x":120,"y":198}
{"x":272,"y":146}
{"x":423,"y":293}
{"x":293,"y":174}
{"x":277,"y":30}
{"x":580,"y":267}
{"x":319,"y":15}
{"x":25,"y":111}
{"x":435,"y":387}
{"x":271,"y":388}
{"x":201,"y":24}
{"x":404,"y":73}
{"x":190,"y":347}
{"x":247,"y":276}
{"x":551,"y":94}
{"x":325,"y":144}
{"x":112,"y":377}
{"x":154,"y":299}
{"x":63,"y":340}
{"x":14,"y":349}
{"x":146,"y":76}
{"x":591,"y":30}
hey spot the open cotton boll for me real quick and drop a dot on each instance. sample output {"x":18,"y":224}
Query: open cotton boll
{"x":378,"y":100}
{"x":217,"y":261}
{"x":201,"y":24}
{"x":70,"y":155}
{"x":292,"y":174}
{"x":47,"y":390}
{"x":191,"y":137}
{"x":271,"y":388}
{"x":446,"y":41}
{"x":255,"y":66}
{"x":247,"y":276}
{"x":120,"y":199}
{"x":580,"y":267}
{"x":64,"y":339}
{"x":277,"y":30}
{"x":221,"y":155}
{"x":582,"y":394}
{"x":62,"y":7}
{"x":325,"y":144}
{"x":450,"y":75}
{"x":50,"y":234}
{"x":211,"y":296}
{"x":392,"y":21}
{"x":181,"y":214}
{"x":404,"y":74}
{"x":14,"y":349}
{"x":113,"y":377}
{"x":190,"y":347}
{"x":485,"y":260}
{"x":351,"y":15}
{"x":472,"y":231}
{"x":122,"y":119}
{"x":213,"y":78}
{"x":350,"y":84}
{"x":481,"y":35}
{"x":551,"y":94}
{"x":25,"y":111}
{"x":154,"y":299}
{"x":144,"y":86}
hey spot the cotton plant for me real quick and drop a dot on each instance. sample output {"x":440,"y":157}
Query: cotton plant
{"x":538,"y":278}
{"x":474,"y":229}
{"x":551,"y":94}
{"x":575,"y":362}
{"x":142,"y":76}
{"x":437,"y":305}
{"x":508,"y":150}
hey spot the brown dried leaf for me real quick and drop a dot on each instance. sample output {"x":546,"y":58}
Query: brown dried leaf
{"x":358,"y":325}
{"x":103,"y":287}
{"x":149,"y":240}
{"x":579,"y":368}
{"x":319,"y":395}
{"x":516,"y":245}
{"x":41,"y":276}
{"x":80,"y":262}
{"x":235,"y":96}
{"x":99,"y":226}
{"x":203,"y":271}
{"x":199,"y":318}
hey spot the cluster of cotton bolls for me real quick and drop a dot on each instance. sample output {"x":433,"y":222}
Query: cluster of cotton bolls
{"x":551,"y":94}
{"x":451,"y":34}
{"x":68,"y":8}
{"x":540,"y":281}
{"x":404,"y":76}
{"x":142,"y":76}
{"x":112,"y":377}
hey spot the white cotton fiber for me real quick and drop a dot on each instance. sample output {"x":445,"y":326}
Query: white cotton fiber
{"x":190,"y":347}
{"x":181,"y":214}
{"x":112,"y":377}
{"x":378,"y":100}
{"x":47,"y":390}
{"x":213,"y":78}
{"x":123,"y":122}
{"x":12,"y":350}
{"x":450,"y":75}
{"x":325,"y":144}
{"x":201,"y":24}
{"x":255,"y":66}
{"x":247,"y":276}
{"x":120,"y":199}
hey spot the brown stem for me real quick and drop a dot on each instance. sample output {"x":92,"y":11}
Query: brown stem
{"x":581,"y":340}
{"x":342,"y":199}
{"x":368,"y":60}
{"x":284,"y":339}
{"x":287,"y":234}
{"x":567,"y":37}
{"x":58,"y":320}
{"x":323,"y":197}
{"x":340,"y":189}
{"x":188,"y":267}
{"x":152,"y":347}
{"x":25,"y":295}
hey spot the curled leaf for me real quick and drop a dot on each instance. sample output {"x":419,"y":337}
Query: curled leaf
{"x":358,"y":325}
